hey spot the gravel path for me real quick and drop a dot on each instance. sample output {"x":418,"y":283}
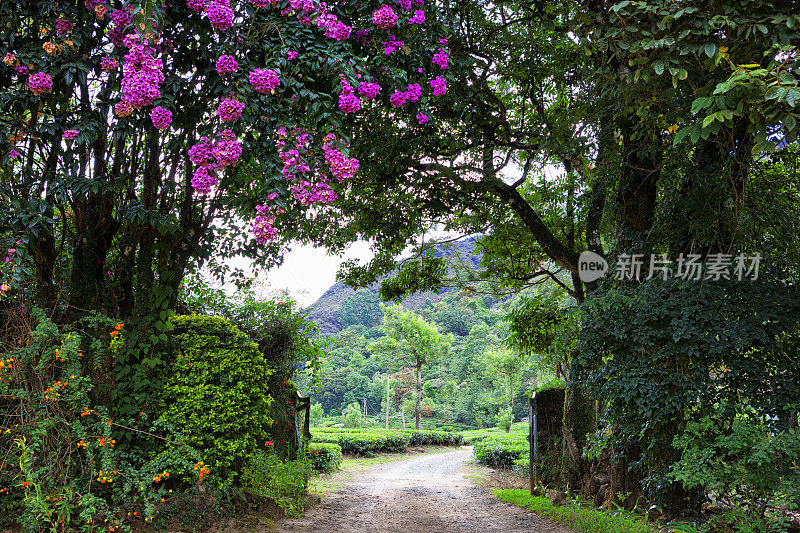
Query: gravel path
{"x":425,"y":494}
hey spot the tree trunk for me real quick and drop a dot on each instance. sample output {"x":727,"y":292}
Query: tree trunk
{"x":510,"y":400}
{"x":419,"y":395}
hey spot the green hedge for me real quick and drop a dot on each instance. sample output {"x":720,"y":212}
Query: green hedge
{"x":324,"y":456}
{"x":501,"y":451}
{"x":369,"y":441}
{"x":216,"y":394}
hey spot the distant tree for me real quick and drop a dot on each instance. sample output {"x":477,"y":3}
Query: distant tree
{"x":454,"y":318}
{"x":410,"y":341}
{"x":352,"y":416}
{"x":362,"y":308}
{"x":316,"y":413}
{"x":506,"y":366}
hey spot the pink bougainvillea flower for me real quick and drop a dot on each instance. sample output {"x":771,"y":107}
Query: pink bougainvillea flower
{"x":161,"y":117}
{"x":40,"y":83}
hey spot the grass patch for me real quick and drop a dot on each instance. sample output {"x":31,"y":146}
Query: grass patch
{"x":582,"y":519}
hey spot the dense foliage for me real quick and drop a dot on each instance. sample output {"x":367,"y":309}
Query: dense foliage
{"x":217,"y":397}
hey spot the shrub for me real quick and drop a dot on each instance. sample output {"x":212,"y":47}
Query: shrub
{"x":504,"y":419}
{"x":283,"y":482}
{"x":369,"y":441}
{"x":744,"y":465}
{"x":60,"y":465}
{"x":500,"y":451}
{"x":352,"y":416}
{"x":217,"y":395}
{"x":324,"y":456}
{"x":364,"y":442}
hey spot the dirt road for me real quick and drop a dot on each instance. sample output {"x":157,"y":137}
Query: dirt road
{"x":425,"y":494}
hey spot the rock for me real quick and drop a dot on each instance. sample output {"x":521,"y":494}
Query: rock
{"x":556,"y":497}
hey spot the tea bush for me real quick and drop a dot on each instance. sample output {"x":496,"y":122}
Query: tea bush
{"x":217,"y":395}
{"x":369,"y":441}
{"x":501,"y":451}
{"x":324,"y":456}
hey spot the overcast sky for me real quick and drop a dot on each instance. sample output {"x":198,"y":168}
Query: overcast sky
{"x":307,"y":272}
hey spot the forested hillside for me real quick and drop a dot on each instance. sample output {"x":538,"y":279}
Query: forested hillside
{"x":465,"y":386}
{"x":326,"y":311}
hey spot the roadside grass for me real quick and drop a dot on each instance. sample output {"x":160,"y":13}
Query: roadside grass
{"x":582,"y":519}
{"x":324,"y":484}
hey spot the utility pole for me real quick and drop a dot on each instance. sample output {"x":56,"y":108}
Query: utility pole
{"x":402,"y":412}
{"x":387,"y":402}
{"x":365,"y":409}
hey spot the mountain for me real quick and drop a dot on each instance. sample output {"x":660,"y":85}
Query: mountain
{"x":325,"y":311}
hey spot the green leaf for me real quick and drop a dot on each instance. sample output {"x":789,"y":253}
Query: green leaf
{"x":658,"y":67}
{"x":789,"y":123}
{"x":710,"y":49}
{"x":681,"y":135}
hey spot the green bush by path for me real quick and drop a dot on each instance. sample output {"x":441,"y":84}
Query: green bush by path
{"x":502,"y":450}
{"x":369,"y":441}
{"x":324,"y":456}
{"x":217,"y":394}
{"x":583,"y":519}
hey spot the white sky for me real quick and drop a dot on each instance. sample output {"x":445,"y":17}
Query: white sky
{"x":308,"y":271}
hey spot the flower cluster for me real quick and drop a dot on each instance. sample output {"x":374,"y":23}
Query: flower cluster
{"x":200,"y":153}
{"x":204,"y":178}
{"x":141,"y":75}
{"x":230,"y":109}
{"x":163,"y":475}
{"x":439,"y":86}
{"x":40,"y":83}
{"x":108,"y":63}
{"x":390,"y":46}
{"x":417,"y":18}
{"x":342,"y":167}
{"x":121,"y":20}
{"x":334,"y":28}
{"x":264,"y":3}
{"x":263,"y":228}
{"x":348,"y":102}
{"x":123,"y":108}
{"x":70,"y":134}
{"x":13,"y":154}
{"x":63,"y":26}
{"x":202,"y":470}
{"x":406,"y":4}
{"x":161,"y":117}
{"x":414,"y":92}
{"x":227,"y":150}
{"x":198,"y":6}
{"x":384,"y":17}
{"x":422,"y":118}
{"x":220,"y":15}
{"x":264,"y":80}
{"x":226,"y":65}
{"x":291,"y":55}
{"x":369,"y":90}
{"x":398,"y":98}
{"x":440,"y":58}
